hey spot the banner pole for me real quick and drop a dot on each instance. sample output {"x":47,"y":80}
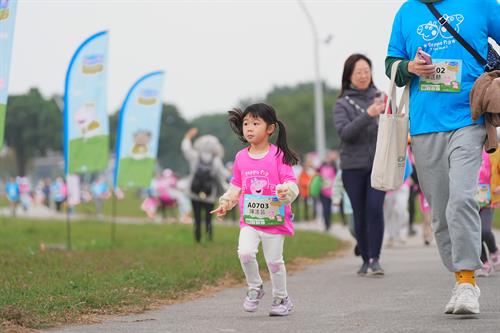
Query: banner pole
{"x":68,"y":228}
{"x":113,"y":218}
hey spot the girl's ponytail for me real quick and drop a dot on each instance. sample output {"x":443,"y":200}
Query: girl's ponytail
{"x":235,"y":119}
{"x":289,"y":156}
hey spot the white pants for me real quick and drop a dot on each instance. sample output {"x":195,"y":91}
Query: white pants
{"x":272,"y":246}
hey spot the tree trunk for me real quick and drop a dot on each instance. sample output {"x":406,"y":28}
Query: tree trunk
{"x":21,"y":162}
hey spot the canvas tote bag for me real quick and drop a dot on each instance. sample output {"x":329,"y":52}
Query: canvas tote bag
{"x":392,"y":139}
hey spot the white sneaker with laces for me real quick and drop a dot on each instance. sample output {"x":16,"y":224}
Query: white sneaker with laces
{"x":281,"y":306}
{"x":467,"y":301}
{"x":252,"y":299}
{"x":450,"y":307}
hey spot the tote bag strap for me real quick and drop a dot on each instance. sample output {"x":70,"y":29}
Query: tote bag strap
{"x":404,"y":104}
{"x":392,"y":89}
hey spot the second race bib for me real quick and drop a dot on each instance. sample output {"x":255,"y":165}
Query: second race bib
{"x":448,"y":77}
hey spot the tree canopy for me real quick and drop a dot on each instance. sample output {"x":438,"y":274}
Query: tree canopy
{"x":33,"y":127}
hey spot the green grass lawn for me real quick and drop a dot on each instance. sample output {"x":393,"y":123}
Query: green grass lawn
{"x":147,"y":263}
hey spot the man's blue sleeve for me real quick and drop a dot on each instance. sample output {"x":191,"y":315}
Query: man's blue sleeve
{"x":397,"y":44}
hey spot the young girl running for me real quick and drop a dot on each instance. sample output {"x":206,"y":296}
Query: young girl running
{"x":264,"y":185}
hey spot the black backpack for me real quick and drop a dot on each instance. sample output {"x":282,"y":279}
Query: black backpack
{"x":203,"y":179}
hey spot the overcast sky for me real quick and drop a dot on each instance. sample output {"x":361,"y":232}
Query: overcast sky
{"x":215,"y":53}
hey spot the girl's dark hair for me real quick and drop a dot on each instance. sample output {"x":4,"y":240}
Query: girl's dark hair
{"x":349,"y":65}
{"x":266,"y":113}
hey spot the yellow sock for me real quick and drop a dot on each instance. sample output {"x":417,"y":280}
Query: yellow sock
{"x":465,"y":277}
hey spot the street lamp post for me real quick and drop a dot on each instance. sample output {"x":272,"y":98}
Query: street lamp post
{"x":319,"y":114}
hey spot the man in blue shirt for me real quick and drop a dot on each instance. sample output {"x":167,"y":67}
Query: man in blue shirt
{"x":100,"y":192}
{"x":446,"y":142}
{"x":13,"y":194}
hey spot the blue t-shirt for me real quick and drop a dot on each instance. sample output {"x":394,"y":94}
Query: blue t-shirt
{"x":12,"y":191}
{"x":57,"y":192}
{"x":98,"y":189}
{"x":415,"y":26}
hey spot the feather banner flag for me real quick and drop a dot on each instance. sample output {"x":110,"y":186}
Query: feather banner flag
{"x":86,"y":124}
{"x":139,"y":132}
{"x":7,"y":21}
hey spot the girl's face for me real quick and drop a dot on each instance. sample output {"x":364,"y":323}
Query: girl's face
{"x":361,"y":75}
{"x":256,"y":130}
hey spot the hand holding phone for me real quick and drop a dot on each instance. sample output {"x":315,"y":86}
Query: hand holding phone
{"x":424,"y":56}
{"x":379,"y":97}
{"x":422,"y":64}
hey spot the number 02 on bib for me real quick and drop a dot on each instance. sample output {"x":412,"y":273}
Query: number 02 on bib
{"x":448,"y":77}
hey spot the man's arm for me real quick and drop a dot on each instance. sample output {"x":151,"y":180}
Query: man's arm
{"x":403,"y":76}
{"x":407,"y":69}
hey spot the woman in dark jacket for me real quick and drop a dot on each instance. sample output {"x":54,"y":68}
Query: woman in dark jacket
{"x":356,"y":120}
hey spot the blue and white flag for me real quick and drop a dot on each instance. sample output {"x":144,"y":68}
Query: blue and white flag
{"x":139,"y":132}
{"x":86,"y":124}
{"x":7,"y":22}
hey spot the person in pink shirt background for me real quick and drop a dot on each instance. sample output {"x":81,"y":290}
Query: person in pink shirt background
{"x":489,"y":174}
{"x":264,"y":186}
{"x":328,"y":172}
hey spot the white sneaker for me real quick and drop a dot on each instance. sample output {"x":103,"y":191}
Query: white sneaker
{"x":467,"y":301}
{"x":450,"y":307}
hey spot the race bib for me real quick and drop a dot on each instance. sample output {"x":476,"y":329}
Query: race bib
{"x":263,"y":210}
{"x":448,"y":77}
{"x":483,"y":195}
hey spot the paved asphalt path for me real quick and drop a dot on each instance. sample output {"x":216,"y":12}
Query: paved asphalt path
{"x":329,"y":297}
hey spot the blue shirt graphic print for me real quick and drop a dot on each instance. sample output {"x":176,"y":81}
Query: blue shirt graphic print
{"x":415,"y":26}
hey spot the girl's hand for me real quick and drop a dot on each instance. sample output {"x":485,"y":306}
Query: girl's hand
{"x":282,"y":193}
{"x":220,"y":211}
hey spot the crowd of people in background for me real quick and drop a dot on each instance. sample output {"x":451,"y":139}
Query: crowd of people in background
{"x":52,"y":194}
{"x":20,"y":193}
